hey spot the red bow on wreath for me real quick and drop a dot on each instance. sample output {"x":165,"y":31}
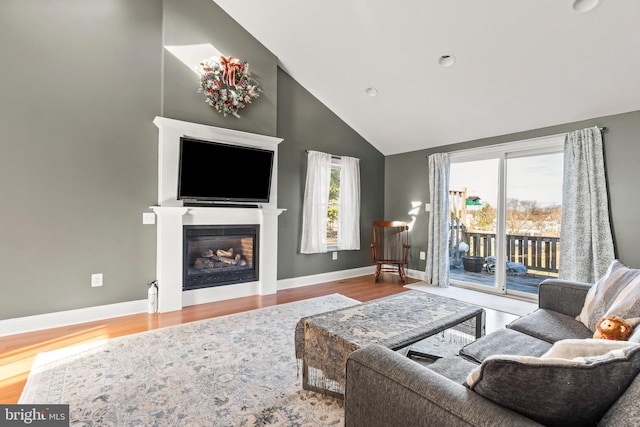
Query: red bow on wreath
{"x":229,"y":66}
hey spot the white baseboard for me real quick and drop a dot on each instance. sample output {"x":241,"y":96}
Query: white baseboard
{"x":38,"y":322}
{"x":297,"y":282}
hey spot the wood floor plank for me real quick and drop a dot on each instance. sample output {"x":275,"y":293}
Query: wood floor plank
{"x":17,"y":352}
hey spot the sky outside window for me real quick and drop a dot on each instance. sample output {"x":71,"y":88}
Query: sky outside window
{"x":536,"y":178}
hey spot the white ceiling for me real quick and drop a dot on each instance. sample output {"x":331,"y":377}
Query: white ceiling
{"x":520,"y":65}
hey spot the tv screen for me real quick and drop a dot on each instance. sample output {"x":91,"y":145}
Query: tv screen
{"x":213,"y":171}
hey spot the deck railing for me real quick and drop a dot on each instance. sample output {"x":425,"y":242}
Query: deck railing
{"x":537,"y":253}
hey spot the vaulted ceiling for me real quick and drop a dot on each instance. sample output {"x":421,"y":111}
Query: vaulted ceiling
{"x":518,"y":65}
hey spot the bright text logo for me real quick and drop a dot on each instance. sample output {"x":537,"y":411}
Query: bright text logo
{"x":34,"y":415}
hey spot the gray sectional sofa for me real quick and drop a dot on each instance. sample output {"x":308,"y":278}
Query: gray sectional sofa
{"x":384,"y":388}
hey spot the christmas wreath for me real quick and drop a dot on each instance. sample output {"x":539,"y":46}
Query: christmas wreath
{"x":226,"y":84}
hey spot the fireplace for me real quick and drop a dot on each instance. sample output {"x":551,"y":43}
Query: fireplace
{"x":216,"y":255}
{"x":173,"y":216}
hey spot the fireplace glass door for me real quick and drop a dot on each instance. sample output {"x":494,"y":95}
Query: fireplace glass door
{"x":216,"y":255}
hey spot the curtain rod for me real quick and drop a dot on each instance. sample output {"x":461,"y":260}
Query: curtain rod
{"x":601,"y":128}
{"x":332,"y":156}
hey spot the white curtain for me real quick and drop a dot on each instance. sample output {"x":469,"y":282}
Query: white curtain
{"x":349,"y":205}
{"x":316,"y":202}
{"x":437,"y":272}
{"x":586,"y":242}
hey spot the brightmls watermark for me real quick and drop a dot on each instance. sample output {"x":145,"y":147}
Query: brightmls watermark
{"x":34,"y":415}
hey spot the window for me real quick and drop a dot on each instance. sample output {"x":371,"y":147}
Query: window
{"x":334,"y":204}
{"x":331,"y":208}
{"x":505,"y":205}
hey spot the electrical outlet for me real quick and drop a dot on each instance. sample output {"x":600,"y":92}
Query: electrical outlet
{"x":96,"y":280}
{"x":423,"y":255}
{"x":335,"y":256}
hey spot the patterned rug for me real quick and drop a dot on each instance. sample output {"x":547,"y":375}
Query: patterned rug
{"x":237,"y":370}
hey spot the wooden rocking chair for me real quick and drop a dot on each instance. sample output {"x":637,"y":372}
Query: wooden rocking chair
{"x":390,"y":247}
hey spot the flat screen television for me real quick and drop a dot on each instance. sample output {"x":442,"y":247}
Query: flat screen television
{"x":216,"y":172}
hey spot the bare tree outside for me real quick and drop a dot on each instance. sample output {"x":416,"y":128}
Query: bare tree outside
{"x":528,"y":218}
{"x":524,"y":217}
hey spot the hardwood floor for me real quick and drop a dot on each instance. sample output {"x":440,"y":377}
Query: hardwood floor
{"x":17,"y":352}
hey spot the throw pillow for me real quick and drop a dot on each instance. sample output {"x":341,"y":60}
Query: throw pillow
{"x":573,"y":384}
{"x":617,"y":292}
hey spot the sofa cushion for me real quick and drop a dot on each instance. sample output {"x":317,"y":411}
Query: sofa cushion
{"x":617,"y":292}
{"x":504,"y":341}
{"x":573,"y":384}
{"x":626,"y":411}
{"x":455,"y":368}
{"x":550,"y":326}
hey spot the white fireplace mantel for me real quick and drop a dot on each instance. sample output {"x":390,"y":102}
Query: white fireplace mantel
{"x":170,"y":131}
{"x":172,"y":217}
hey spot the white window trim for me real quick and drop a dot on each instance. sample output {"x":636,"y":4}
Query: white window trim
{"x":526,"y":147}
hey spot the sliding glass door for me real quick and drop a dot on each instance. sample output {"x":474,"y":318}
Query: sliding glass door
{"x":505,"y":208}
{"x":473,"y":202}
{"x":532,"y":221}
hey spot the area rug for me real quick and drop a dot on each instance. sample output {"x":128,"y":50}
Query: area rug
{"x":236,"y":370}
{"x":494,"y":302}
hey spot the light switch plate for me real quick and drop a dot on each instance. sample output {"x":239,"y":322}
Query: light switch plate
{"x":148,"y":218}
{"x":96,"y":280}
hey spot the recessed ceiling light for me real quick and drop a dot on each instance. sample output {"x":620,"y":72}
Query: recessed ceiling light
{"x":585,"y":5}
{"x":371,"y":91}
{"x":447,"y":60}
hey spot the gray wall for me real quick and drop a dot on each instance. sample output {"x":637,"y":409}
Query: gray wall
{"x":81,"y":82}
{"x":79,"y":86}
{"x":306,"y":124}
{"x":406,"y":180}
{"x":202,"y":21}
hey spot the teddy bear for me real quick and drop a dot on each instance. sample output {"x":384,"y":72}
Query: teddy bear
{"x":613,"y":328}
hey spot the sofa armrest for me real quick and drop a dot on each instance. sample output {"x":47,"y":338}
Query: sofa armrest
{"x":563,"y":296}
{"x":384,"y":388}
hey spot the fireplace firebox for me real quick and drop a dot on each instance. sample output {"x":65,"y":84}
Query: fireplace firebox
{"x":216,"y":255}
